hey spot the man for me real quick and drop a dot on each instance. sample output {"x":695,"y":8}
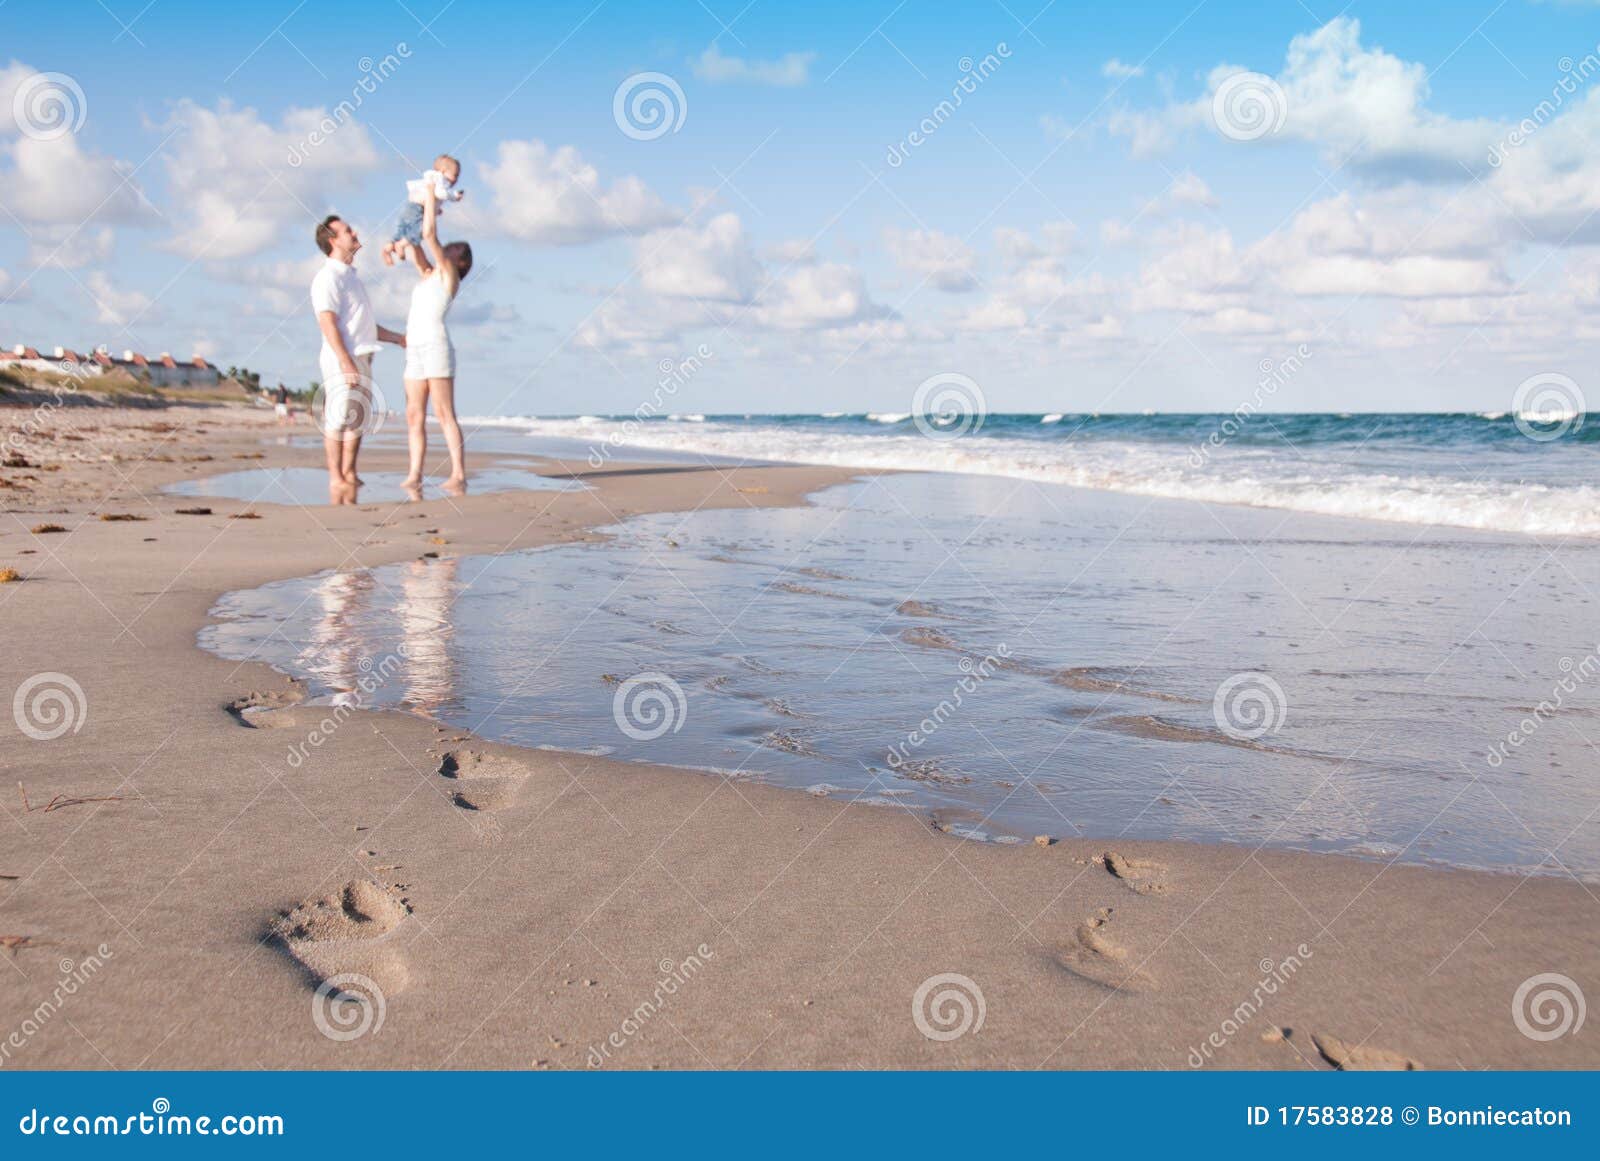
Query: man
{"x":350,"y":337}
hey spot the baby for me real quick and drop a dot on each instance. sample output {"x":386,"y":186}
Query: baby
{"x":441,"y":179}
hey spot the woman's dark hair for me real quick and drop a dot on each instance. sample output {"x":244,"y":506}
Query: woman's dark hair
{"x":460,"y":255}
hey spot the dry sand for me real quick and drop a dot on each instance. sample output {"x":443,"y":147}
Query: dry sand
{"x":529,"y":909}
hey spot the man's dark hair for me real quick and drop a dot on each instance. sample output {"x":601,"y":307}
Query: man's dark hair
{"x":325,"y":233}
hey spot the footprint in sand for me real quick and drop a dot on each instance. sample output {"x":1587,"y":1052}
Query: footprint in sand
{"x":1095,"y":956}
{"x":1347,"y":1057}
{"x":482,"y":781}
{"x":256,"y":709}
{"x":1139,"y":875}
{"x":347,"y":936}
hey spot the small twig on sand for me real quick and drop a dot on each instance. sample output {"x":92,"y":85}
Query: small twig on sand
{"x":61,"y":800}
{"x":15,"y":943}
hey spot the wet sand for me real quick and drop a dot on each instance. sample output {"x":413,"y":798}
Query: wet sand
{"x":527,"y":909}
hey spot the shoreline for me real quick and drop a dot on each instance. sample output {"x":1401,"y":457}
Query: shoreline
{"x":228,"y":885}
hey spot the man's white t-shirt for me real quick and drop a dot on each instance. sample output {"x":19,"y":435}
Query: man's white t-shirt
{"x":339,"y":289}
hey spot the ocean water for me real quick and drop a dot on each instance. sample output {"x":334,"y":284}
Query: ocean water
{"x":1013,"y":658}
{"x":1532,"y":473}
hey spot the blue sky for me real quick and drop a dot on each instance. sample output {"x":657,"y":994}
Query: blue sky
{"x":1081,"y":233}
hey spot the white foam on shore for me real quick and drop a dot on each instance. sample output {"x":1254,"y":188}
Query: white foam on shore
{"x":1144,"y":469}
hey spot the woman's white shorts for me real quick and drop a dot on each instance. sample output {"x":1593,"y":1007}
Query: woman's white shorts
{"x":430,"y":360}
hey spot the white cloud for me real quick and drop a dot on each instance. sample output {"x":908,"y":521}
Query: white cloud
{"x":1016,"y":247}
{"x":1187,"y":189}
{"x":118,"y":308}
{"x":54,"y":180}
{"x":710,"y":276}
{"x":1396,"y":248}
{"x":1363,"y":107}
{"x":235,"y":191}
{"x":1118,"y":71}
{"x":829,"y":294}
{"x":947,"y":262}
{"x":713,"y":262}
{"x":70,"y":247}
{"x":788,"y":71}
{"x":555,"y":198}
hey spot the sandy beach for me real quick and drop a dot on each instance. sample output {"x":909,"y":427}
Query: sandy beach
{"x":533,"y":909}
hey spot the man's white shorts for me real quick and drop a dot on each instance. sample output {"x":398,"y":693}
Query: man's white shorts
{"x":348,"y":409}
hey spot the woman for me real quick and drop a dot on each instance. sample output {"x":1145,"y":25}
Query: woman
{"x":430,"y":356}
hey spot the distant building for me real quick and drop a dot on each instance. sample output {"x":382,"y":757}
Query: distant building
{"x":162,"y":371}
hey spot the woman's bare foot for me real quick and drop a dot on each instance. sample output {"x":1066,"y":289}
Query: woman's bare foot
{"x":454,"y":486}
{"x":413,"y":490}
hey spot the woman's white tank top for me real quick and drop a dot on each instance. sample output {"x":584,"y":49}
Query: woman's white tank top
{"x":430,"y":302}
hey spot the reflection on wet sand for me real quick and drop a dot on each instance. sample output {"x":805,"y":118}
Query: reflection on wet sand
{"x":428,"y":589}
{"x":337,"y":653}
